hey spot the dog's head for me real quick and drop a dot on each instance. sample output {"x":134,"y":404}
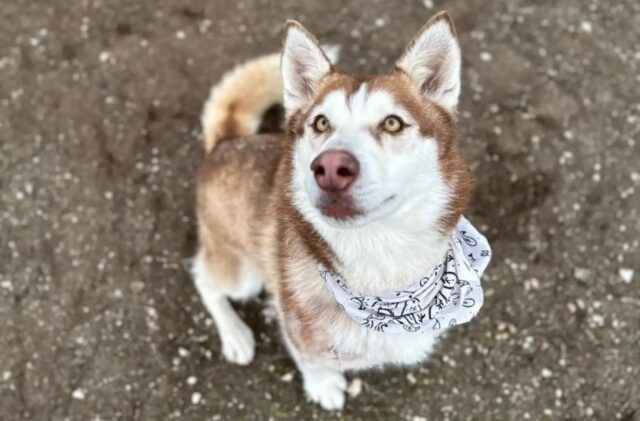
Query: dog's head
{"x":378,"y":147}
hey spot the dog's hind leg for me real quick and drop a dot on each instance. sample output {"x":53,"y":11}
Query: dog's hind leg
{"x":218,"y":276}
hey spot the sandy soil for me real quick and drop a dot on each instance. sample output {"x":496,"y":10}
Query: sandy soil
{"x":99,"y":139}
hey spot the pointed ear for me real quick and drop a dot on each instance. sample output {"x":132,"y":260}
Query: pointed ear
{"x":304,"y":64}
{"x":433,"y":60}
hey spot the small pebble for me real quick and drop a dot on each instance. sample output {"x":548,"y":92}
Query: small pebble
{"x":355,"y":387}
{"x":196,"y":397}
{"x":581,"y":274}
{"x":586,"y":27}
{"x":104,"y":56}
{"x":78,"y":394}
{"x":428,"y":4}
{"x":626,"y":275}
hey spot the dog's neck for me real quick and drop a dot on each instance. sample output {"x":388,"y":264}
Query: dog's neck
{"x":386,"y":254}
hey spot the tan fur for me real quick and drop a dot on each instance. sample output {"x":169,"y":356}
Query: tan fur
{"x":234,"y":186}
{"x":243,"y":200}
{"x":244,"y":208}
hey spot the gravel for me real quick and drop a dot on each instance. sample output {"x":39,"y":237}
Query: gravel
{"x":99,"y":141}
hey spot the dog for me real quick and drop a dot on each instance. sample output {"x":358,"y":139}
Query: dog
{"x":358,"y":194}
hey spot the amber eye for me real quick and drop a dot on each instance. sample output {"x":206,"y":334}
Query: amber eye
{"x":392,"y":124}
{"x":321,"y":124}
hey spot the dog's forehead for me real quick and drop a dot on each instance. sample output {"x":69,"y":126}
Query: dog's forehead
{"x":363,"y":102}
{"x":370,"y":99}
{"x":363,"y":98}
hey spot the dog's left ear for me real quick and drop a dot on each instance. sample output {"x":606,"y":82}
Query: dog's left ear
{"x":433,"y":60}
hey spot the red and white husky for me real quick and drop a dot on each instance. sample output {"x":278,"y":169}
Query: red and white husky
{"x":367,"y":180}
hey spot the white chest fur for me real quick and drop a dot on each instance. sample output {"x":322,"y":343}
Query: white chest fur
{"x":355,"y":347}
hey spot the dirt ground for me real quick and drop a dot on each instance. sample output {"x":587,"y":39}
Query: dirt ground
{"x":99,"y":139}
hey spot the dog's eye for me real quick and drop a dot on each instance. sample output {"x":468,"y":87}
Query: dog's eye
{"x":392,"y":124}
{"x":321,"y":124}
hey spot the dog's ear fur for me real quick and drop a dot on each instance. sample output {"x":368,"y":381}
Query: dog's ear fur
{"x":304,"y":64}
{"x":433,"y":61}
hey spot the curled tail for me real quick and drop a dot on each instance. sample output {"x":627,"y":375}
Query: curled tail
{"x":236,"y":104}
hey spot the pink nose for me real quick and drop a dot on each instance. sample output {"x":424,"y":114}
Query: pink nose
{"x":335,"y":170}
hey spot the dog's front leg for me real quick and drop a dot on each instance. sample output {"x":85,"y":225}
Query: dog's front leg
{"x":323,"y":384}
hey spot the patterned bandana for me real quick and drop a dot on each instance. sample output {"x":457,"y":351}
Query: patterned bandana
{"x":449,"y":295}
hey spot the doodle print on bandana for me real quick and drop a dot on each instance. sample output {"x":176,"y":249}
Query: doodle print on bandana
{"x":450,"y":294}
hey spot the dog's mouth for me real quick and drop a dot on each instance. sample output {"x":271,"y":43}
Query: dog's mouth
{"x":343,"y":207}
{"x":338,"y":207}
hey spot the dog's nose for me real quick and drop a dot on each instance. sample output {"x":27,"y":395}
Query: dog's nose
{"x":335,"y":170}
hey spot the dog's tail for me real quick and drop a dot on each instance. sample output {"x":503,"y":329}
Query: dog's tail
{"x":238,"y":102}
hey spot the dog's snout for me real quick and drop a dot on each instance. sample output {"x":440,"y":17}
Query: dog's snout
{"x":335,"y":170}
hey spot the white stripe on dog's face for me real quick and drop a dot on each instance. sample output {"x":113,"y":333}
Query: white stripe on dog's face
{"x":399,"y":172}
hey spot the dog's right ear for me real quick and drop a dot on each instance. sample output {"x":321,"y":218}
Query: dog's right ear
{"x":304,"y":64}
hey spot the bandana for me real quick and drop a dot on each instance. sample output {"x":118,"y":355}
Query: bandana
{"x":450,"y":294}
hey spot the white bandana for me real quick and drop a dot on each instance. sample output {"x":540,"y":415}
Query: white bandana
{"x":449,"y":295}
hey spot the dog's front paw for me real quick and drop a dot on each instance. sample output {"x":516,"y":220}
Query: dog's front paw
{"x":326,"y":387}
{"x":238,"y":344}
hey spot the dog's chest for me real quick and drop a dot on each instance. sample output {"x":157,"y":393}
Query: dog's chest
{"x":356,"y":347}
{"x":335,"y":337}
